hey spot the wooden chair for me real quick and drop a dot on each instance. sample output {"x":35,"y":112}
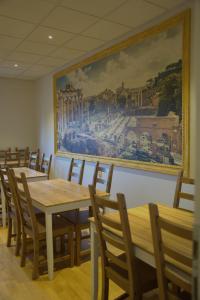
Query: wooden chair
{"x":119,"y":263}
{"x":102,"y":177}
{"x":34,"y":160}
{"x":3,"y":154}
{"x":33,"y":226}
{"x":81,"y":218}
{"x":165,"y":271}
{"x":45,"y":166}
{"x":24,"y":156}
{"x":179,"y":194}
{"x":76,"y":170}
{"x":12,"y":210}
{"x":2,"y":162}
{"x":12,"y":159}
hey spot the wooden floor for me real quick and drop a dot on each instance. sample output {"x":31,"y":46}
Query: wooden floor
{"x":68,"y":284}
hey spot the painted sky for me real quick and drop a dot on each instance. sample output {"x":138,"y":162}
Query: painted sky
{"x":133,"y":65}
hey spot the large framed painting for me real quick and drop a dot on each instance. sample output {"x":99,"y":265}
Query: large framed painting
{"x":129,"y":104}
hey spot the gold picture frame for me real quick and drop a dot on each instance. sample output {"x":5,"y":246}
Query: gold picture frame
{"x":181,"y":21}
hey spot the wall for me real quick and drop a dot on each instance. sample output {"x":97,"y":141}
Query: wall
{"x":139,"y":186}
{"x":17,"y":113}
{"x":196,"y":52}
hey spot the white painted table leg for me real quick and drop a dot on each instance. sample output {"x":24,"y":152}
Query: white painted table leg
{"x":49,"y":240}
{"x":3,"y":205}
{"x":94,"y":262}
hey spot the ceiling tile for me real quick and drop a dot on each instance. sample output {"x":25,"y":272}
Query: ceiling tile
{"x":27,"y":77}
{"x":66,"y":53}
{"x":15,"y":28}
{"x":9,"y":42}
{"x":94,"y":7}
{"x":41,"y":33}
{"x":52,"y":62}
{"x":84,"y":43}
{"x":39,"y":68}
{"x":37,"y":71}
{"x":24,"y":57}
{"x":167,"y":3}
{"x":4,"y":52}
{"x":52,"y":1}
{"x":135,"y":13}
{"x":8,"y":72}
{"x":32,"y":11}
{"x":69,"y":20}
{"x":10,"y":64}
{"x":106,"y":30}
{"x":36,"y":48}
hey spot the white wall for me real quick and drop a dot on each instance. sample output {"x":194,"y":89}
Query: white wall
{"x":17,"y":113}
{"x":196,"y":86}
{"x":139,"y":186}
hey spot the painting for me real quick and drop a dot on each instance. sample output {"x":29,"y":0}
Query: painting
{"x":129,"y":104}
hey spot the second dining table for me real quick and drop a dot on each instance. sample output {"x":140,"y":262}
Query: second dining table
{"x":55,"y":196}
{"x":31,"y":175}
{"x":141,"y":236}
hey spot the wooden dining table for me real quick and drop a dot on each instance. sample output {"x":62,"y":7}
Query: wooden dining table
{"x":31,"y":175}
{"x":141,"y":236}
{"x":55,"y":196}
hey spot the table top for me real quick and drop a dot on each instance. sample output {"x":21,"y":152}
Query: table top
{"x":30,"y":173}
{"x":59,"y":191}
{"x":140,"y":227}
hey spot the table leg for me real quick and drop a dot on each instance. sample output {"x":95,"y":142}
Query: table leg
{"x":49,"y":240}
{"x":3,"y":205}
{"x":94,"y":262}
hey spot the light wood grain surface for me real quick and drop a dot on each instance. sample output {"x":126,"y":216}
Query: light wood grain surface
{"x":69,"y":283}
{"x":59,"y":191}
{"x":141,"y":236}
{"x":30,"y":173}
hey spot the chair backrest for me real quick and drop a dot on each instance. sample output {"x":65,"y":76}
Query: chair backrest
{"x":27,"y":214}
{"x":179,"y":194}
{"x":3,"y":153}
{"x":34,"y":160}
{"x":24,"y":155}
{"x":12,"y":159}
{"x":12,"y":206}
{"x":114,"y":234}
{"x":103,"y":176}
{"x":45,"y":165}
{"x":165,"y":271}
{"x":76,"y":170}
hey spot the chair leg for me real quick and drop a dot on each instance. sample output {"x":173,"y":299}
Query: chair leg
{"x":18,"y":239}
{"x":78,"y":245}
{"x":71,"y":247}
{"x":9,"y":231}
{"x":35,"y":273}
{"x":62,"y":244}
{"x":105,"y":287}
{"x":23,"y":251}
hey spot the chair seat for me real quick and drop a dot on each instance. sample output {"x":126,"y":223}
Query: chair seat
{"x":146,"y":274}
{"x":154,"y":295}
{"x":77,"y":216}
{"x":37,"y":211}
{"x":60,"y":225}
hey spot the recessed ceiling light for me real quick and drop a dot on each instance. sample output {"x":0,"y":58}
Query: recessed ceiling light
{"x":50,"y":37}
{"x":15,"y":65}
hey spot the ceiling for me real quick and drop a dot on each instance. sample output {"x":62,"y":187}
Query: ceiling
{"x":76,"y":27}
